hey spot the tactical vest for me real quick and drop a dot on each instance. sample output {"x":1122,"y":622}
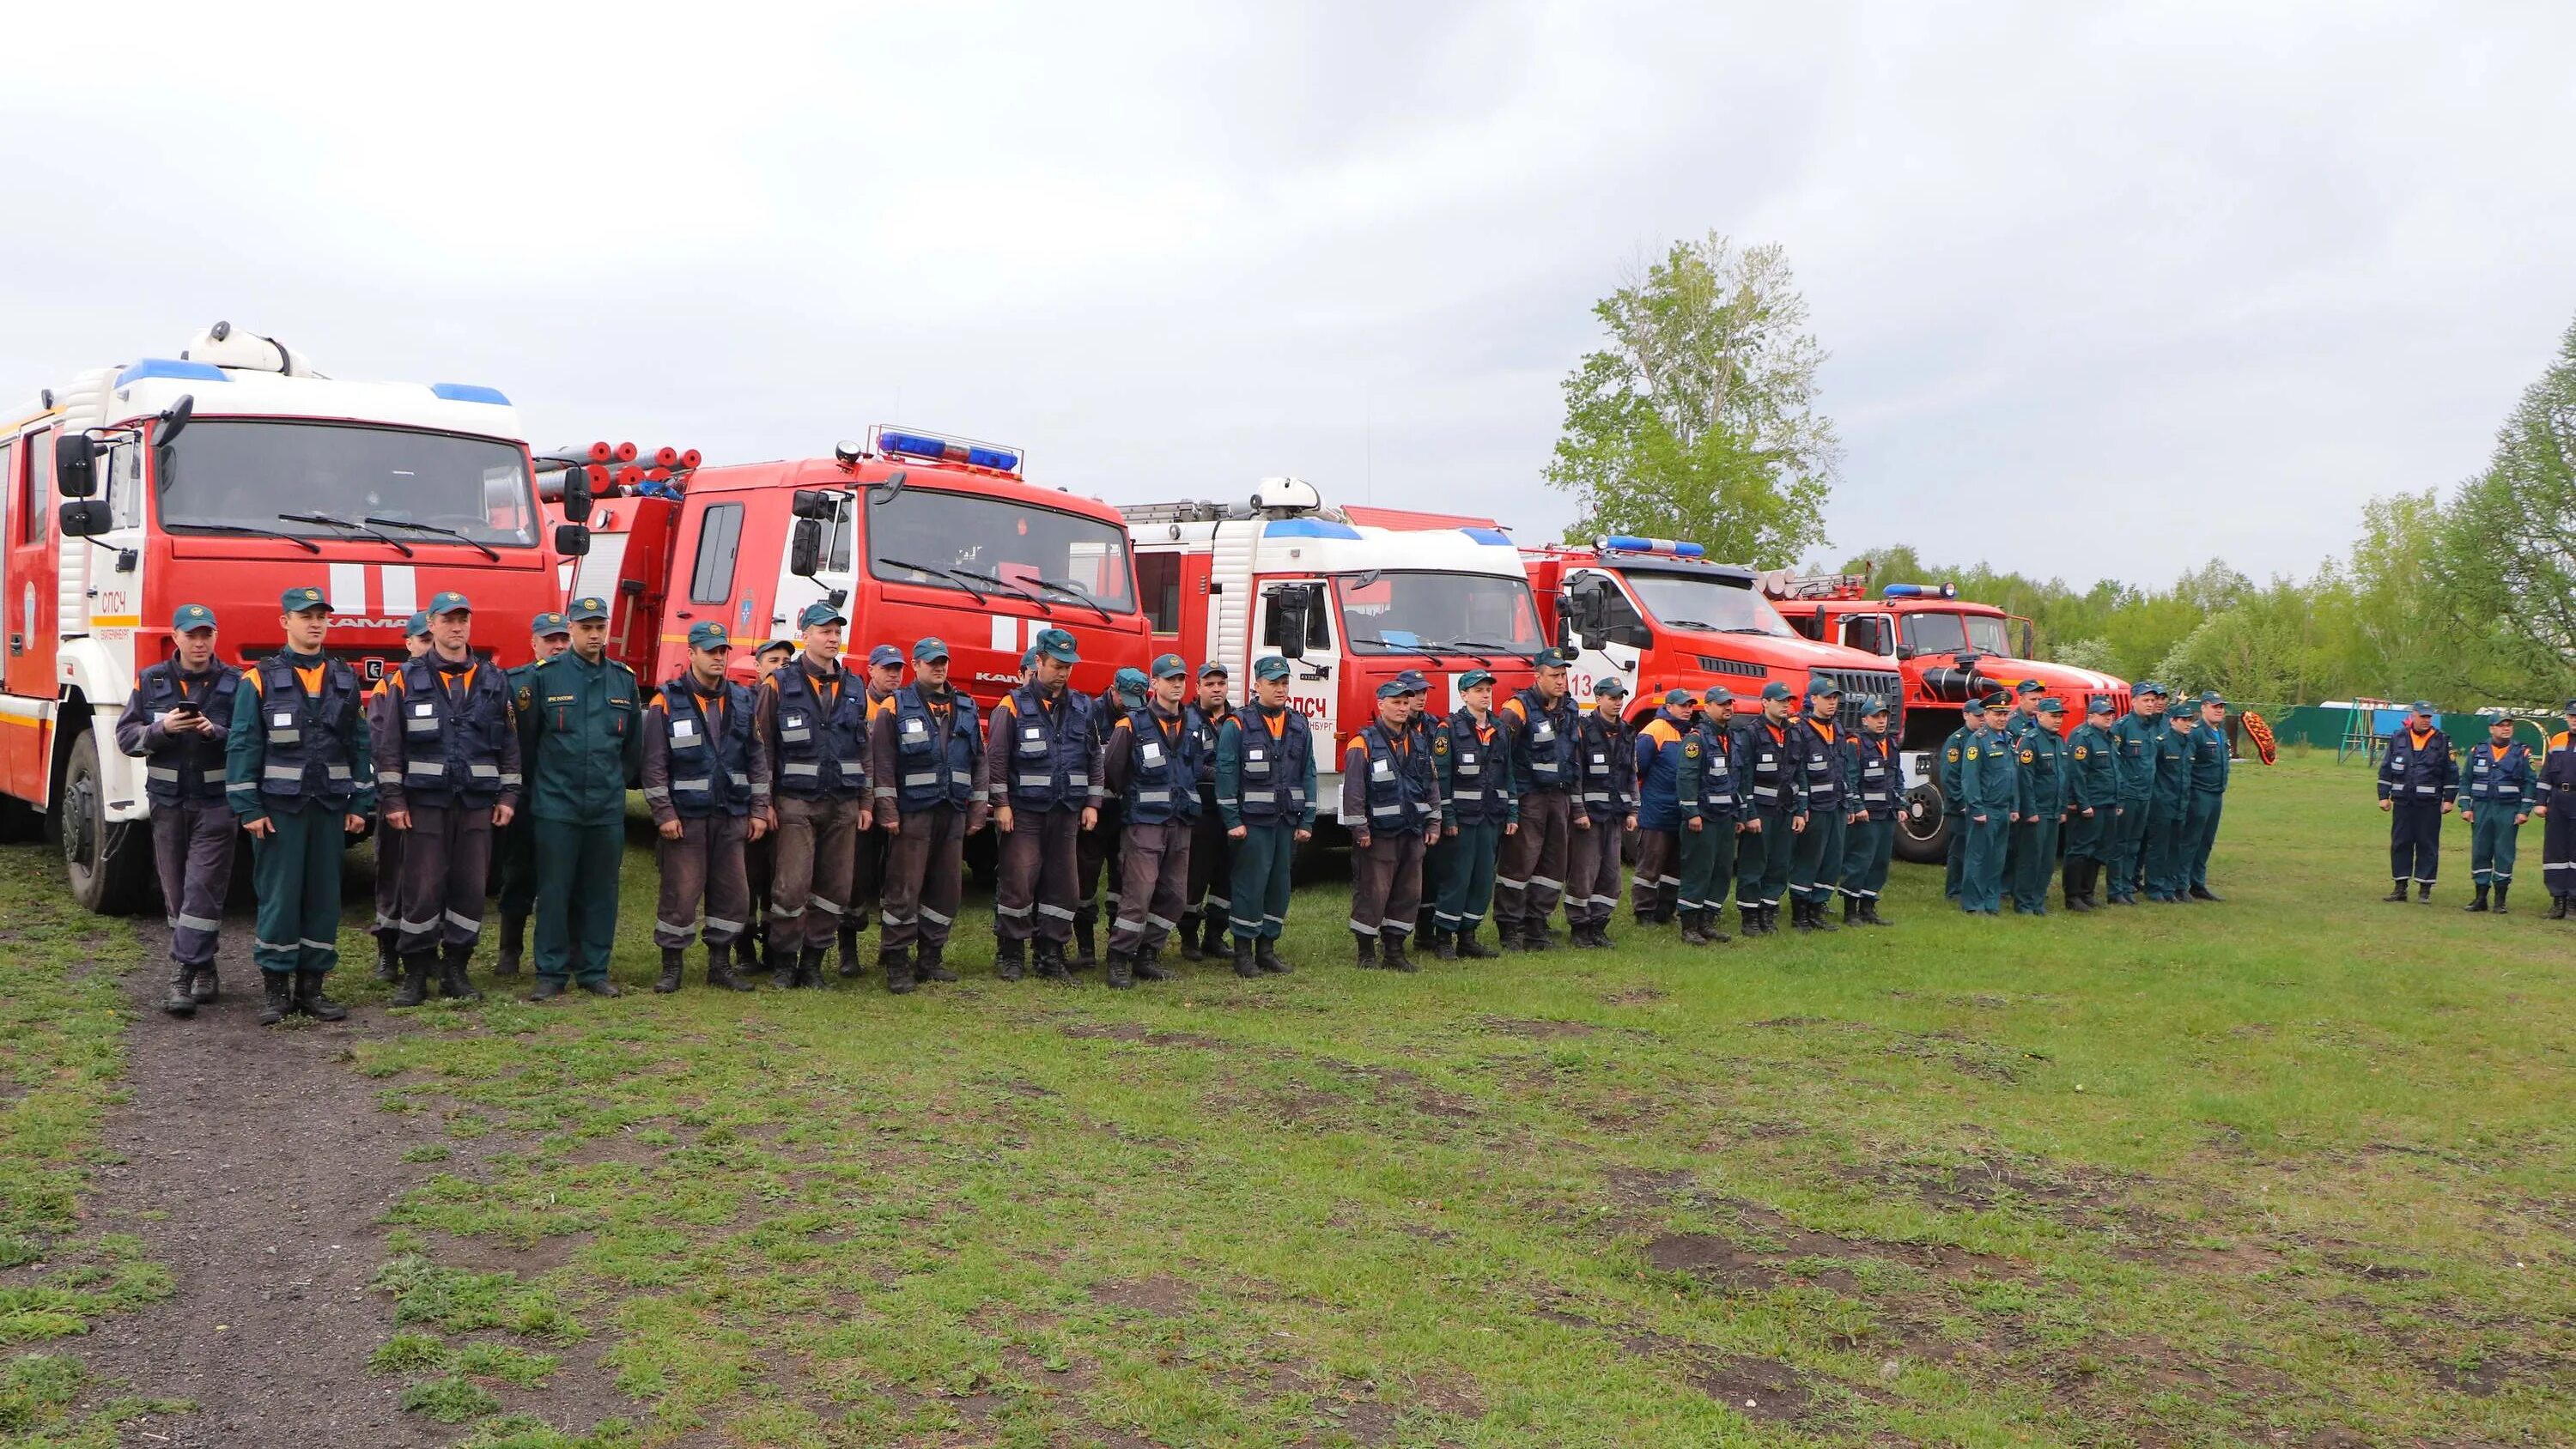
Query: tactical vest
{"x":822,"y":746}
{"x":189,"y":767}
{"x":710,"y":766}
{"x":1543,"y":747}
{"x":1717,"y":772}
{"x":1049,"y":755}
{"x":1767,"y":766}
{"x":1874,"y":786}
{"x":309,"y":736}
{"x":2507,"y":780}
{"x":2408,"y":773}
{"x":1400,"y":787}
{"x":1274,"y":770}
{"x":1478,"y":793}
{"x":1820,"y":763}
{"x":1605,"y":771}
{"x":934,"y":751}
{"x":1162,"y":770}
{"x":451,"y":747}
{"x":1206,"y":726}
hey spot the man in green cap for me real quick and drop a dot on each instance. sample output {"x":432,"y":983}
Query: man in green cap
{"x":2495,"y":800}
{"x":2137,"y":735}
{"x":1605,"y":794}
{"x":2211,"y":763}
{"x":706,"y":779}
{"x":2042,"y":758}
{"x":1990,"y":786}
{"x":760,"y":857}
{"x":934,"y":788}
{"x":1265,"y":789}
{"x":1775,"y":796}
{"x":1097,"y":845}
{"x":1708,"y":804}
{"x":814,"y":723}
{"x":868,"y":849}
{"x":1816,"y":750}
{"x":1150,"y":763}
{"x":1042,"y":749}
{"x":447,"y":776}
{"x":1390,"y":801}
{"x":390,"y":842}
{"x":581,"y":733}
{"x":1211,"y":849}
{"x":2168,"y":849}
{"x":1869,"y":832}
{"x":548,"y":636}
{"x":296,"y":771}
{"x":1539,"y":721}
{"x":1948,"y":774}
{"x":177,"y":721}
{"x":2092,"y":801}
{"x":1479,"y":806}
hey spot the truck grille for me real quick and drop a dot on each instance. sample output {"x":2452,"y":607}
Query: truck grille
{"x":1711,"y":664}
{"x":1857,"y":683}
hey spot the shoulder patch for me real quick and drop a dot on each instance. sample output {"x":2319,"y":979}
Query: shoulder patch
{"x":2079,"y":752}
{"x":1440,"y":743}
{"x":1954,"y":754}
{"x":1972,"y":752}
{"x":1690,"y":749}
{"x":2027,"y":756}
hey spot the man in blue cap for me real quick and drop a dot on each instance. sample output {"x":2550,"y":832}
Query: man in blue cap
{"x":177,"y":720}
{"x":2136,"y":735}
{"x":2025,"y":718}
{"x":1539,"y":722}
{"x":2494,"y":803}
{"x":1708,"y":795}
{"x":447,"y":776}
{"x":2211,"y":763}
{"x":1877,"y":794}
{"x":1990,"y":792}
{"x":1151,"y":765}
{"x":1815,"y":862}
{"x":296,"y":770}
{"x":2418,"y":780}
{"x":1265,"y":789}
{"x":1043,"y":753}
{"x":1390,"y":802}
{"x":2554,"y":800}
{"x":390,"y":842}
{"x":814,"y":722}
{"x":1656,"y":756}
{"x":1479,"y":806}
{"x":933,"y":789}
{"x":548,"y":635}
{"x":1605,"y":793}
{"x":2092,"y":800}
{"x":868,"y":850}
{"x":1211,"y":849}
{"x":1775,"y":794}
{"x":581,"y":733}
{"x":707,"y":781}
{"x":2042,"y":758}
{"x":1098,"y":843}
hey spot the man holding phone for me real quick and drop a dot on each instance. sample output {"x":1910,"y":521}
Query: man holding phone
{"x":177,"y":720}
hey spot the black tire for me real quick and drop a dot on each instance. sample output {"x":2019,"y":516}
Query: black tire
{"x":110,"y":865}
{"x":1923,"y":827}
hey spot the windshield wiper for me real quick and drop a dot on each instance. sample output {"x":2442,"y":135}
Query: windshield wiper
{"x":327,"y":521}
{"x":1745,"y":629}
{"x":1514,"y":650}
{"x":936,"y":575}
{"x":306,"y":544}
{"x":1079,"y":595}
{"x":1388,"y":644}
{"x":1701,"y":625}
{"x":1043,"y":606}
{"x":434,"y":528}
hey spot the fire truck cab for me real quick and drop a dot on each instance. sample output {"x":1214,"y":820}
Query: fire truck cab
{"x":1949,"y":650}
{"x":1350,"y":605}
{"x":224,"y":476}
{"x":910,"y":533}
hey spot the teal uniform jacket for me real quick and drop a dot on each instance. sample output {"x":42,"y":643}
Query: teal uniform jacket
{"x":2136,"y":734}
{"x":1990,"y":776}
{"x":2093,"y":770}
{"x":2172,"y":789}
{"x":2209,"y":762}
{"x":1954,"y":753}
{"x":581,"y":732}
{"x":2043,"y":759}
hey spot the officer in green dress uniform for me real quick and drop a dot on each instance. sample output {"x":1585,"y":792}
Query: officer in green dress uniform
{"x":2092,"y":803}
{"x":1990,"y":790}
{"x":2042,"y":757}
{"x":2168,"y":809}
{"x":582,"y":736}
{"x":2210,"y":767}
{"x":2136,"y":734}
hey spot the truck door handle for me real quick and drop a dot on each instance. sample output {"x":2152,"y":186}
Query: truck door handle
{"x":1319,"y":671}
{"x":17,"y":643}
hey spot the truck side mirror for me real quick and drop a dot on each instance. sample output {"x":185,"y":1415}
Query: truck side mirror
{"x":2029,"y":640}
{"x":87,"y":518}
{"x":1866,"y":633}
{"x":576,"y":493}
{"x":571,"y":539}
{"x":75,"y":465}
{"x":174,"y":419}
{"x":1293,"y":605}
{"x":805,"y":548}
{"x":1587,"y":604}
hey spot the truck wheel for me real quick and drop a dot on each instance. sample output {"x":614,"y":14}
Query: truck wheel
{"x":1923,"y":828}
{"x":110,"y":865}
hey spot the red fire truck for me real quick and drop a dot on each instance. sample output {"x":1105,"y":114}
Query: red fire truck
{"x":1949,"y":649}
{"x":224,"y":476}
{"x":910,"y":532}
{"x":1351,"y":604}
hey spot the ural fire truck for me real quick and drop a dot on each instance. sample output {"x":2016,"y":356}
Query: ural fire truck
{"x":1949,"y":650}
{"x":1350,"y":605}
{"x":1657,"y":614}
{"x":225,"y":476}
{"x":910,"y":533}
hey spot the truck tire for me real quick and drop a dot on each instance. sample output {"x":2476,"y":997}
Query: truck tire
{"x":110,"y":865}
{"x":1923,"y":828}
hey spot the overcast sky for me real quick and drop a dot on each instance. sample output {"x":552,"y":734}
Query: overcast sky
{"x":2107,"y":290}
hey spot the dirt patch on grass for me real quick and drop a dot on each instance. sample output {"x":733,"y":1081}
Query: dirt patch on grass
{"x":1764,"y":1390}
{"x":1535,"y":1030}
{"x":1647,"y":1187}
{"x":1160,"y":1295}
{"x":1128,"y":1031}
{"x":1633,"y":996}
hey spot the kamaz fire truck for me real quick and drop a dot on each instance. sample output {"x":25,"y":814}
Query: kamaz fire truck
{"x":1350,"y":605}
{"x":911,"y":533}
{"x":225,"y":476}
{"x":1949,"y":650}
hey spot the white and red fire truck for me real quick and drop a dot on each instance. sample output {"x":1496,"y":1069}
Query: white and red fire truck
{"x":1350,"y":604}
{"x":225,"y":476}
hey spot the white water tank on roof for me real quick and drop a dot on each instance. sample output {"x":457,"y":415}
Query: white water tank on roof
{"x":1285,"y":497}
{"x":227,"y":346}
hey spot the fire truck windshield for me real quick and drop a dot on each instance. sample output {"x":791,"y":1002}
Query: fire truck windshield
{"x":1713,"y":606}
{"x":1000,"y":546}
{"x":302,"y":478}
{"x":1954,"y":634}
{"x":1384,"y":612}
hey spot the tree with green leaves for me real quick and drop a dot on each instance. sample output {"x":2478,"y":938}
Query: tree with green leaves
{"x":1699,"y":419}
{"x":2507,"y":555}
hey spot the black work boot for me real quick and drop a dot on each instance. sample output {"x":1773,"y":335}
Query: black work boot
{"x":2503,"y":889}
{"x":1243,"y":966}
{"x":1010,"y":959}
{"x":1122,"y":969}
{"x":514,"y":944}
{"x":1870,"y":917}
{"x":1800,"y":917}
{"x":1471,"y":949}
{"x":546,"y":989}
{"x":2557,"y":908}
{"x":2424,"y":893}
{"x":753,"y":947}
{"x":1149,"y":965}
{"x":2203,"y":893}
{"x":2480,"y":904}
{"x":895,"y":963}
{"x":2396,"y":893}
{"x":280,"y":989}
{"x":1816,"y":912}
{"x":183,"y":996}
{"x":1086,"y":942}
{"x":1444,"y":945}
{"x":669,"y":981}
{"x":849,"y":954}
{"x":1748,"y":920}
{"x":1692,"y":935}
{"x":1265,"y":954}
{"x":809,"y":968}
{"x":1534,"y":935}
{"x":1190,"y":937}
{"x":202,"y":990}
{"x":1851,"y":909}
{"x":1601,"y":935}
{"x":388,"y":968}
{"x":416,"y":971}
{"x":720,"y":972}
{"x":1708,"y":923}
{"x":1391,"y":949}
{"x":782,"y":969}
{"x":455,"y":981}
{"x":928,"y":965}
{"x":1051,"y":963}
{"x":310,"y":1000}
{"x":1363,"y":951}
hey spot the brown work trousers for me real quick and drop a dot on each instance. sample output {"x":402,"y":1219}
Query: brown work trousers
{"x":1592,"y":874}
{"x":446,"y":866}
{"x":1034,"y":893}
{"x":1659,"y":880}
{"x":1153,"y":885}
{"x":868,"y":852}
{"x":1386,"y":884}
{"x":389,"y":845}
{"x":704,"y":866}
{"x":1531,"y":875}
{"x":192,"y":844}
{"x":811,"y":873}
{"x":925,"y":869}
{"x":1211,"y":887}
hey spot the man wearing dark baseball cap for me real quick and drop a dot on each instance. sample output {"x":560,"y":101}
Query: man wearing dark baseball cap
{"x":1211,"y":849}
{"x":1530,"y":878}
{"x":706,"y":778}
{"x":2417,"y":782}
{"x":1605,"y":796}
{"x":933,"y":788}
{"x":1265,"y":788}
{"x":549,"y":634}
{"x":1479,"y":805}
{"x":1043,"y":749}
{"x":814,"y":723}
{"x":2554,"y":801}
{"x":1151,"y":765}
{"x":177,"y":720}
{"x":390,"y":842}
{"x":868,"y":848}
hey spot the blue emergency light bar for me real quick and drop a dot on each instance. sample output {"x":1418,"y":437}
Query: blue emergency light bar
{"x":932,"y":448}
{"x":1630,"y":543}
{"x":1922,"y":591}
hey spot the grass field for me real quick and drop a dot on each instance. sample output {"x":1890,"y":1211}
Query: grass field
{"x":2294,"y":1170}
